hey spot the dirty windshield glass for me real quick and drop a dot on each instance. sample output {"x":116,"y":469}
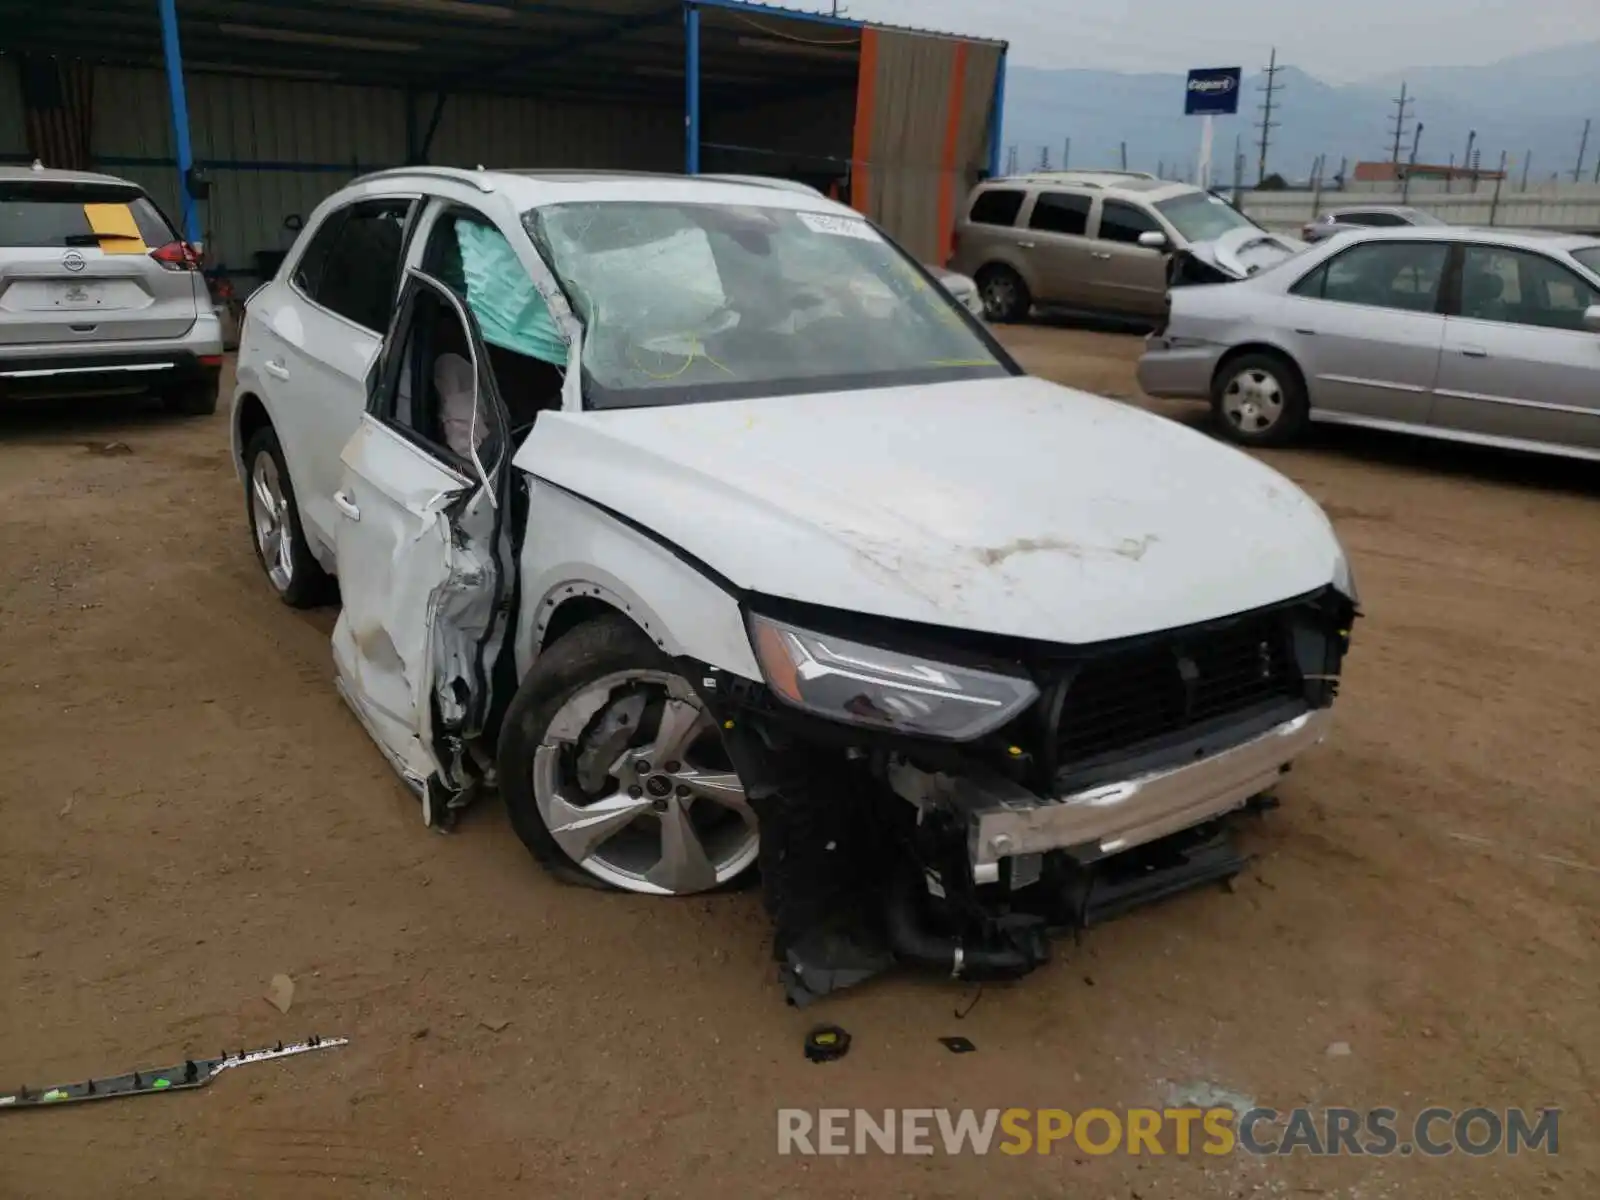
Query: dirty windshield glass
{"x":1202,"y":217}
{"x":689,"y":302}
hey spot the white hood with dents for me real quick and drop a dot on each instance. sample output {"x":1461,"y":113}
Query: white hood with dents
{"x":1010,"y":506}
{"x":1246,"y":251}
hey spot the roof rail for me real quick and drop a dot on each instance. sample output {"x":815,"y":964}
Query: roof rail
{"x":768,"y":181}
{"x":458,"y":174}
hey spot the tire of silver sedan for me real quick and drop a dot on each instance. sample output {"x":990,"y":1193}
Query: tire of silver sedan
{"x":613,"y":773}
{"x":1259,"y":399}
{"x":281,"y":548}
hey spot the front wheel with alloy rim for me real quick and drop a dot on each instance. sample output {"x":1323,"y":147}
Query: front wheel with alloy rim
{"x":614,"y":774}
{"x":1259,"y":400}
{"x":275,"y":525}
{"x":1004,"y":294}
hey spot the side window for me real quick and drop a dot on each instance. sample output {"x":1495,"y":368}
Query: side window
{"x":361,"y":270}
{"x":1403,"y":275}
{"x":308,"y":271}
{"x":1123,"y":222}
{"x":1523,"y":288}
{"x":527,"y":351}
{"x":435,"y":398}
{"x":997,"y":206}
{"x":1060,"y":212}
{"x":1311,"y":285}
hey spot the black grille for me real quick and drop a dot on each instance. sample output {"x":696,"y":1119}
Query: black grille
{"x":1159,"y":688}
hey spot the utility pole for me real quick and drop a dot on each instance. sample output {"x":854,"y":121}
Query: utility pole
{"x":1011,"y":160}
{"x":1583,"y":148}
{"x":1044,"y":158}
{"x":1066,"y":154}
{"x":1405,"y":183}
{"x":1267,"y":123}
{"x":1161,"y":168}
{"x":1494,"y":204}
{"x":1238,"y":170}
{"x":1400,"y":117}
{"x":1527,"y":161}
{"x":1466,"y":159}
{"x":1124,"y":155}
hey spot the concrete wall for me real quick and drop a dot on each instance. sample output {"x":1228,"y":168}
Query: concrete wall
{"x":1574,"y":207}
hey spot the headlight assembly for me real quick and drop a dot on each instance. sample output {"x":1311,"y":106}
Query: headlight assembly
{"x":1344,"y":578}
{"x":885,"y":689}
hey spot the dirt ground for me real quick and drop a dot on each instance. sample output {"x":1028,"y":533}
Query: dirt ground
{"x":187,"y":810}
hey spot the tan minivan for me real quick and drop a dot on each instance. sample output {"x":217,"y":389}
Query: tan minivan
{"x":1098,"y":241}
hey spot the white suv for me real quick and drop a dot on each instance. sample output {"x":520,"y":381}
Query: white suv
{"x":675,"y":507}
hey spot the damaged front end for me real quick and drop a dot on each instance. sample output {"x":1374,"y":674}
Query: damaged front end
{"x":953,"y":805}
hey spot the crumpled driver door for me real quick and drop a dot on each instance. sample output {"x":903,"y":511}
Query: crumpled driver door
{"x":424,"y":559}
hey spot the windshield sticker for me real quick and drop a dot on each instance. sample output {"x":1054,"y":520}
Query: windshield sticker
{"x":839,"y":226}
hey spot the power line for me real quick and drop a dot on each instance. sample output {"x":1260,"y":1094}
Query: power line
{"x":1267,"y":123}
{"x":1401,"y":115}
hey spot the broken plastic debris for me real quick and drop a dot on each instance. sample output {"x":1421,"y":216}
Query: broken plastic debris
{"x":280,"y":994}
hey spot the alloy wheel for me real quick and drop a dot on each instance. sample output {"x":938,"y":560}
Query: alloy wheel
{"x":633,"y":783}
{"x":269,"y":511}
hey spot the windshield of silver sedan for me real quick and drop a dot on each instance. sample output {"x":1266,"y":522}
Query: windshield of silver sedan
{"x":682,"y":303}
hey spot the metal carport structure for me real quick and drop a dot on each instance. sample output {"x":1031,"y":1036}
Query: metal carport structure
{"x":273,"y":103}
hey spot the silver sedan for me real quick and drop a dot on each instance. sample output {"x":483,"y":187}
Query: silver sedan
{"x":1474,"y":335}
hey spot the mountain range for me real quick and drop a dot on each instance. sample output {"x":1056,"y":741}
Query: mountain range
{"x":1532,"y":107}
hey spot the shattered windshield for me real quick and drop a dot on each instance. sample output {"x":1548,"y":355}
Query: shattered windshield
{"x":1202,"y":217}
{"x":688,"y":302}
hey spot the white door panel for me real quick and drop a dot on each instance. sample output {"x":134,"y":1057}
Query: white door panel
{"x":394,"y":549}
{"x":424,"y":555}
{"x":321,"y":362}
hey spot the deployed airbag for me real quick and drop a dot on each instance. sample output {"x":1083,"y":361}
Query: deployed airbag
{"x":510,"y":312}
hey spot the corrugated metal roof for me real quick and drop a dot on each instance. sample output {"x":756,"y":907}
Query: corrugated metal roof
{"x":787,"y":9}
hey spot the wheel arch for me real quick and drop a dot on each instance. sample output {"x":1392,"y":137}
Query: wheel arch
{"x":249,"y":416}
{"x":580,"y":561}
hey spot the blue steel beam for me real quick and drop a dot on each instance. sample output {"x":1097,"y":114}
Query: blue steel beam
{"x":691,"y":78}
{"x":998,"y":116}
{"x":173,"y":54}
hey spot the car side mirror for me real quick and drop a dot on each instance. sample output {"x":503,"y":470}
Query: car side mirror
{"x":1151,"y":239}
{"x":294,"y":222}
{"x":1591,"y":318}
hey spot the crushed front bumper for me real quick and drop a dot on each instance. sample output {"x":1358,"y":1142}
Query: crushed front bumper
{"x":1006,"y":820}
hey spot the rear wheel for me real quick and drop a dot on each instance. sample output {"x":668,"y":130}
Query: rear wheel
{"x":281,"y":548}
{"x":615,"y":775}
{"x":1005,"y":295}
{"x":1259,"y":399}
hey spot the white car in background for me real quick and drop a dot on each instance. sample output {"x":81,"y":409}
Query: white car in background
{"x":688,"y":516}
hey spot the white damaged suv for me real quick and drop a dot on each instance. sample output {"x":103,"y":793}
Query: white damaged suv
{"x":695,"y":519}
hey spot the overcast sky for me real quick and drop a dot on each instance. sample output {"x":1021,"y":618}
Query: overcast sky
{"x":1338,"y":42}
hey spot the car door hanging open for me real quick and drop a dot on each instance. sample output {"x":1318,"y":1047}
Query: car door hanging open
{"x":191,"y":1073}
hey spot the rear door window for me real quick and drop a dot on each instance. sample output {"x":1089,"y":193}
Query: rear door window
{"x":1381,"y":274}
{"x":1060,"y":212}
{"x":352,"y":266}
{"x":1123,"y":222}
{"x":998,"y":206}
{"x":56,"y":216}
